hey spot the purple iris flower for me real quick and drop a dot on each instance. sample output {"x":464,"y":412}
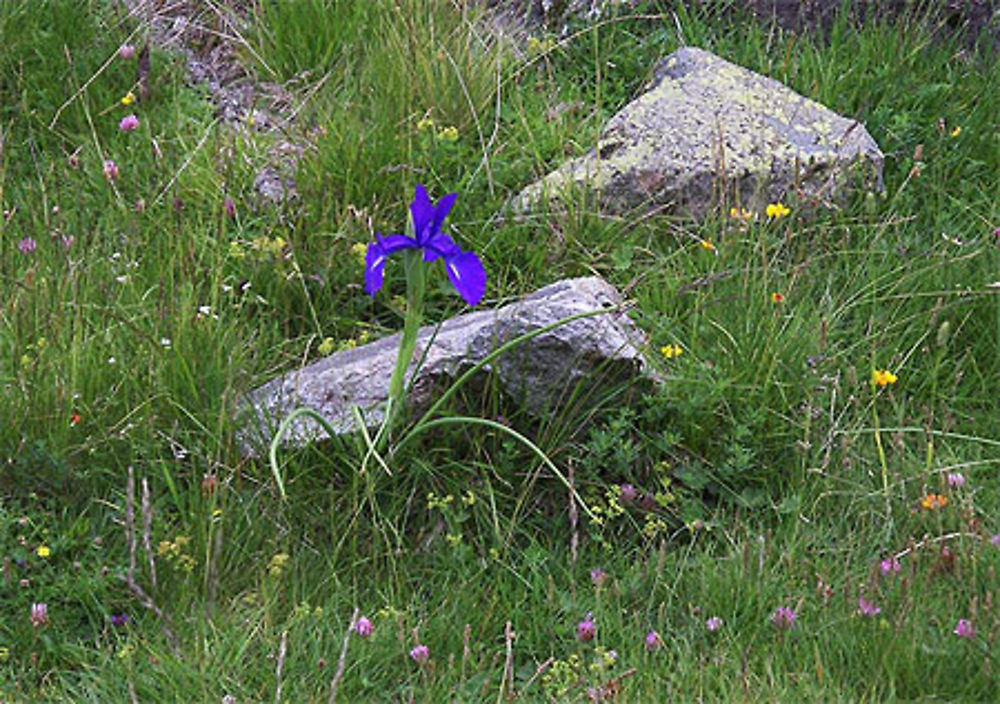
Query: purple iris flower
{"x":464,"y":268}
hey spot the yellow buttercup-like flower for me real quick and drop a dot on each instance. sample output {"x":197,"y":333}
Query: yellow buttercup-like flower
{"x":776,"y":210}
{"x":671,"y":351}
{"x":707,"y":245}
{"x":883,"y":377}
{"x":43,"y":551}
{"x":128,"y":99}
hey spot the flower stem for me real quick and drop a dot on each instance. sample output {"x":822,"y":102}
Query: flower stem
{"x":882,"y":462}
{"x":416,"y":285}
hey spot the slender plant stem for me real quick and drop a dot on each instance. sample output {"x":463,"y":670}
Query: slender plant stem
{"x":416,"y":285}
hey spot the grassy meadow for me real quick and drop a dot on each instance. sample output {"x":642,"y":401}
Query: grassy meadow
{"x":770,"y":524}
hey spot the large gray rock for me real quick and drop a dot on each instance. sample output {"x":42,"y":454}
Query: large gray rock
{"x":709,"y":133}
{"x":540,"y":374}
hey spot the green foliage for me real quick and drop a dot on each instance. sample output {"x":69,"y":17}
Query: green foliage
{"x":768,"y":470}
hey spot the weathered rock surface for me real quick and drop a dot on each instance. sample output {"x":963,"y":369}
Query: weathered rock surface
{"x":539,"y":374}
{"x":710,"y":133}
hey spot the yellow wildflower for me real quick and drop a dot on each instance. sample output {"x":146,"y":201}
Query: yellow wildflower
{"x":883,"y":377}
{"x":671,"y":351}
{"x":957,"y":130}
{"x":707,"y":245}
{"x":326,"y":346}
{"x":776,"y":210}
{"x":43,"y":551}
{"x":777,"y":297}
{"x":448,"y":134}
{"x":540,"y":46}
{"x":425,"y":124}
{"x":360,"y":251}
{"x":741,"y":214}
{"x":277,"y":564}
{"x":128,"y":99}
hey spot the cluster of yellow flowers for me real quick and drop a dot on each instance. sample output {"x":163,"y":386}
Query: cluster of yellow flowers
{"x":742,"y":214}
{"x":277,"y":564}
{"x":448,"y":133}
{"x":174,"y":552}
{"x":883,"y":377}
{"x":776,"y":211}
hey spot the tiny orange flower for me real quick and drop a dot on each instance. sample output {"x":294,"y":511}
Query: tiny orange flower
{"x":75,"y":419}
{"x":777,"y":297}
{"x":933,"y":501}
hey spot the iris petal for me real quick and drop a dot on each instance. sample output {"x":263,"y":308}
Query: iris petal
{"x":422,"y":211}
{"x":441,"y":210}
{"x":467,"y":275}
{"x":440,"y":245}
{"x":378,"y":252}
{"x":428,"y":217}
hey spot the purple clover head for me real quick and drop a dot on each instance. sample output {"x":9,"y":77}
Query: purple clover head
{"x":995,"y":540}
{"x":889,"y":566}
{"x":126,"y":51}
{"x":965,"y":629}
{"x":110,"y":170}
{"x":653,"y":641}
{"x":628,"y":493}
{"x":230,"y":208}
{"x":783,"y":618}
{"x":464,"y":269}
{"x":598,"y":577}
{"x":713,"y":624}
{"x":420,"y":654}
{"x":867,"y":608}
{"x":956,"y":480}
{"x":363,"y":627}
{"x":586,"y":630}
{"x":27,"y":245}
{"x":39,"y":614}
{"x":128,"y":123}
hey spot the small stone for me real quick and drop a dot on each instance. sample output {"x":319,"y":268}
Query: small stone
{"x":539,"y":375}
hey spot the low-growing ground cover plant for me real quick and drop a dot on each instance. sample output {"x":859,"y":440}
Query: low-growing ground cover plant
{"x":804,"y":510}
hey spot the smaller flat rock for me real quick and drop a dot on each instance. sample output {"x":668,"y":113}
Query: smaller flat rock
{"x":539,"y":374}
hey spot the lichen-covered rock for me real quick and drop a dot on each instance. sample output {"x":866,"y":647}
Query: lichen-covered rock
{"x":540,"y":374}
{"x":709,"y":133}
